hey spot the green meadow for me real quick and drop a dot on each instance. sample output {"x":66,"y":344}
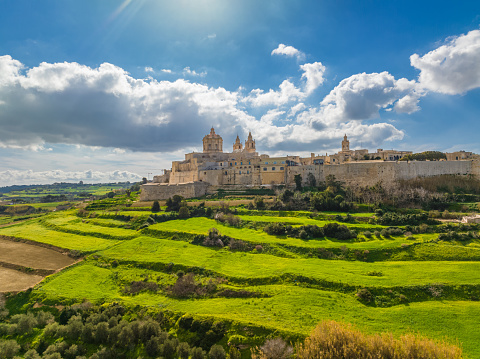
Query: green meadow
{"x":417,"y":283}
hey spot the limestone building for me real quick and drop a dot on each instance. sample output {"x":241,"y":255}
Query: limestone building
{"x":211,"y":169}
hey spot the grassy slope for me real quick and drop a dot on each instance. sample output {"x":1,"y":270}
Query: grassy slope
{"x":432,"y":318}
{"x":34,"y":231}
{"x":247,"y":265}
{"x":202,"y":225}
{"x":281,"y":310}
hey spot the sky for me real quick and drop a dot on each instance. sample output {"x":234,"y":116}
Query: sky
{"x":115,"y":90}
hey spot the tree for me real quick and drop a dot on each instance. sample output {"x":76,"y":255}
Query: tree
{"x":155,"y":206}
{"x":234,"y":353}
{"x":174,"y":203}
{"x":311,"y":180}
{"x":217,"y":352}
{"x":183,"y":212}
{"x":183,"y":350}
{"x":298,"y":182}
{"x":198,"y":353}
{"x":144,"y":180}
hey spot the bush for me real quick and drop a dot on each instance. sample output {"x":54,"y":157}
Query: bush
{"x":331,"y":340}
{"x":155,"y":206}
{"x":8,"y":348}
{"x":140,"y":286}
{"x":273,"y":349}
{"x":364,"y":295}
{"x":185,"y":286}
{"x":217,"y":352}
{"x":183,"y":212}
{"x":198,"y":353}
{"x":183,"y":350}
{"x":338,"y":231}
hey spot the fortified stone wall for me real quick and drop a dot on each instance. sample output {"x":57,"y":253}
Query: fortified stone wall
{"x":161,"y":191}
{"x":370,"y":173}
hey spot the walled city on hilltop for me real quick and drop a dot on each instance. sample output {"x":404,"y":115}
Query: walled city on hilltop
{"x":202,"y":173}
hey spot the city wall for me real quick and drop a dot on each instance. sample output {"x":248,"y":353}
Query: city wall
{"x":370,"y":173}
{"x":161,"y":191}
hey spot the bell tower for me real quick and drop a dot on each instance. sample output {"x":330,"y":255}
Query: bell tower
{"x":345,"y":144}
{"x":237,"y":146}
{"x":250,"y":144}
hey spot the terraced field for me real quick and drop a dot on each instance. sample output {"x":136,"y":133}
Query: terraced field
{"x":420,"y":284}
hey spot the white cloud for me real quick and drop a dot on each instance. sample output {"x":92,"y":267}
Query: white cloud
{"x":288,"y":51}
{"x":71,"y":103}
{"x":212,"y":36}
{"x":313,"y":73}
{"x":11,"y":177}
{"x":295,"y":109}
{"x":167,"y":71}
{"x":453,"y":68}
{"x":287,"y":92}
{"x":361,"y":96}
{"x":149,"y":69}
{"x":188,"y":72}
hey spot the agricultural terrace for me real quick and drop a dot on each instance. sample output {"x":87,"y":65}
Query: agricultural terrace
{"x":282,"y":271}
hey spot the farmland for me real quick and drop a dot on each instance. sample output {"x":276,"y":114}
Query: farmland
{"x":398,"y":279}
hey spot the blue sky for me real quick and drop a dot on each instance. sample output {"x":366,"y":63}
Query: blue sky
{"x":116,"y":90}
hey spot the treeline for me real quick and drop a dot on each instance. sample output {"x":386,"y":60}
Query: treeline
{"x":86,"y":331}
{"x":425,"y":156}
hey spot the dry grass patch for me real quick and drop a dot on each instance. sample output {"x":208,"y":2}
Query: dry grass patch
{"x":15,"y":281}
{"x":332,"y":340}
{"x":27,"y":255}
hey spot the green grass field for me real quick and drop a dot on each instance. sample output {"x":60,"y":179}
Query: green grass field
{"x":440,"y":280}
{"x":34,"y":231}
{"x":202,"y":225}
{"x":289,"y":307}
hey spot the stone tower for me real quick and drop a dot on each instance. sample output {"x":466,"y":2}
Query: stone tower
{"x":237,"y":146}
{"x":345,"y":144}
{"x":250,"y":144}
{"x":212,"y":142}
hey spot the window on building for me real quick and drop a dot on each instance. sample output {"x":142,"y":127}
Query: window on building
{"x":274,"y":162}
{"x":230,"y":163}
{"x":235,"y":163}
{"x":204,"y":173}
{"x":249,"y":162}
{"x":264,"y":168}
{"x":281,"y":168}
{"x":221,"y":164}
{"x":266,"y":163}
{"x":273,"y":168}
{"x":241,"y":163}
{"x":239,"y":172}
{"x":225,"y":172}
{"x":283,"y":162}
{"x":248,"y":172}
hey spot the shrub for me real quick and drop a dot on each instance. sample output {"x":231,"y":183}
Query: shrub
{"x":273,"y":349}
{"x":185,"y":286}
{"x":364,"y":295}
{"x":183,"y":212}
{"x":183,"y":350}
{"x":217,"y":352}
{"x":234,"y":353}
{"x":198,"y":353}
{"x":140,"y":286}
{"x":8,"y":348}
{"x":331,"y":340}
{"x":338,"y":231}
{"x":367,"y":234}
{"x":155,"y":206}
